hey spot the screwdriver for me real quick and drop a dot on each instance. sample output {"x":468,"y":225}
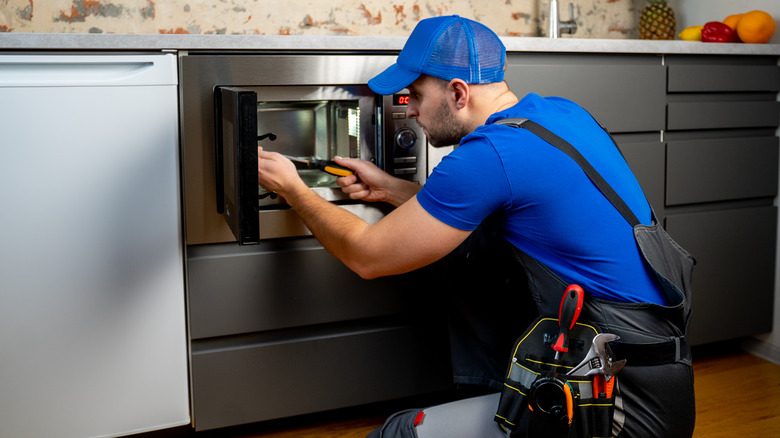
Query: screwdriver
{"x":326,"y":166}
{"x":571,"y":305}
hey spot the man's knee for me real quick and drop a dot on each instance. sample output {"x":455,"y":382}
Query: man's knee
{"x":399,"y":425}
{"x":466,"y":418}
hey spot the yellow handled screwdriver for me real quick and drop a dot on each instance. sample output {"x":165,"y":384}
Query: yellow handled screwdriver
{"x":326,"y":166}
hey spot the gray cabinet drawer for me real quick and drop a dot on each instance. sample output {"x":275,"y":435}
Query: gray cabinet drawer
{"x":719,"y":169}
{"x":280,"y":284}
{"x":723,"y":78}
{"x":647,"y":158}
{"x":602,"y":84}
{"x":722,"y":114}
{"x":733,"y":281}
{"x":274,"y":378}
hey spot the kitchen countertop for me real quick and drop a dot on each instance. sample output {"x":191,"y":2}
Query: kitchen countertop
{"x":103,"y":42}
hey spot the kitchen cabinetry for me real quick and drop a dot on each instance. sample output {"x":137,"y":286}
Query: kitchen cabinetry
{"x":721,"y":180}
{"x":625,"y":93}
{"x":283,"y":328}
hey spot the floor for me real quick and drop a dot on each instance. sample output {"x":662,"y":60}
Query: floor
{"x":737,"y":394}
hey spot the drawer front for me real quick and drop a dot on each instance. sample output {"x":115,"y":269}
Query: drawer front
{"x":647,"y":158}
{"x":601,"y":84}
{"x":722,"y":114}
{"x":276,"y":285}
{"x":723,"y":78}
{"x":733,"y":281}
{"x":275,"y":379}
{"x":720,"y":169}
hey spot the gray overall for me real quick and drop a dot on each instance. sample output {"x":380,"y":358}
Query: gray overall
{"x":654,"y":393}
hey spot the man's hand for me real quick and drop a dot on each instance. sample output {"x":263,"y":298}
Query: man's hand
{"x":276,"y":173}
{"x":372,"y":184}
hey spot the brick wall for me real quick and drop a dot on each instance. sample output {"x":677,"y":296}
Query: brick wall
{"x":595,"y":18}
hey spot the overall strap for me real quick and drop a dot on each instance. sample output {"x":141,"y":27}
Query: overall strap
{"x":637,"y":351}
{"x":566,"y":147}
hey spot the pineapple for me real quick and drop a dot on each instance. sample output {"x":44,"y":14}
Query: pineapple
{"x":657,"y":21}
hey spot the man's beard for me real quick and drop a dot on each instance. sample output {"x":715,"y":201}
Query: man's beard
{"x":448,"y":130}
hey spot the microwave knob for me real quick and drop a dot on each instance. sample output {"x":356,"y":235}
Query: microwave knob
{"x":405,"y":138}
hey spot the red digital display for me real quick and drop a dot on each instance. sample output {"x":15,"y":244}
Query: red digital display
{"x":400,"y":99}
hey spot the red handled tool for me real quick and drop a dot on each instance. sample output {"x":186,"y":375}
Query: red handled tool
{"x":571,"y":306}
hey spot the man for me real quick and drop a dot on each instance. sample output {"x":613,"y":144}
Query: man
{"x":535,"y":197}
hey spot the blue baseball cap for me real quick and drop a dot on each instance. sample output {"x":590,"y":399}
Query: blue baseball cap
{"x":446,"y":47}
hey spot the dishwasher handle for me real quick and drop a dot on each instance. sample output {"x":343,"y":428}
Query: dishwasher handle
{"x":87,"y":70}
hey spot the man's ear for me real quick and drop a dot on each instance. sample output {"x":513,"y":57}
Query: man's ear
{"x":460,"y":93}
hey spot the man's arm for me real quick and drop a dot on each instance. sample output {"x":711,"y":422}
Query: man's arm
{"x":406,"y":239}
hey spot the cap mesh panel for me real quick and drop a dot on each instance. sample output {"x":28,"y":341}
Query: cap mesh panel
{"x":452,"y":56}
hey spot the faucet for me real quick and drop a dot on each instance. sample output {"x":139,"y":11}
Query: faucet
{"x":557,"y":27}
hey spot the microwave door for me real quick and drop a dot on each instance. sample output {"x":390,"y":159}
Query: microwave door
{"x":236,"y":161}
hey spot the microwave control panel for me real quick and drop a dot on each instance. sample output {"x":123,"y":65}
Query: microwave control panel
{"x":403,"y":140}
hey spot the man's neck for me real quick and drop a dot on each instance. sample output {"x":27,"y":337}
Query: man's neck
{"x":492,"y":100}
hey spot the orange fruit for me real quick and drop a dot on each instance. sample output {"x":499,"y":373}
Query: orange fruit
{"x":755,"y":27}
{"x":732,"y":20}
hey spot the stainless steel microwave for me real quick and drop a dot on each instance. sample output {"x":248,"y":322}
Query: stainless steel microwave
{"x":302,"y":116}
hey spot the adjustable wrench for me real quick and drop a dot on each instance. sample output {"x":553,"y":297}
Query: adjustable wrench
{"x":597,"y":361}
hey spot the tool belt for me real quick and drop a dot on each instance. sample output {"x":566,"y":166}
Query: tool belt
{"x":540,"y":400}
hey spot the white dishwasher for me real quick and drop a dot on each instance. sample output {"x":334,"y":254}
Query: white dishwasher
{"x":93,"y":338}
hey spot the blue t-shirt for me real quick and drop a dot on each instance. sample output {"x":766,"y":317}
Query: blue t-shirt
{"x":542,"y":202}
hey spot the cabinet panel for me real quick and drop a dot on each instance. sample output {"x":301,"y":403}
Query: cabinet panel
{"x":719,"y":169}
{"x":647,"y":160}
{"x":733,"y":281}
{"x":277,"y":379}
{"x":283,"y":284}
{"x":719,"y":78}
{"x":719,"y":115}
{"x":601,"y":84}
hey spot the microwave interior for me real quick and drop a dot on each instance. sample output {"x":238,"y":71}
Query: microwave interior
{"x":318,"y":128}
{"x":299,"y":121}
